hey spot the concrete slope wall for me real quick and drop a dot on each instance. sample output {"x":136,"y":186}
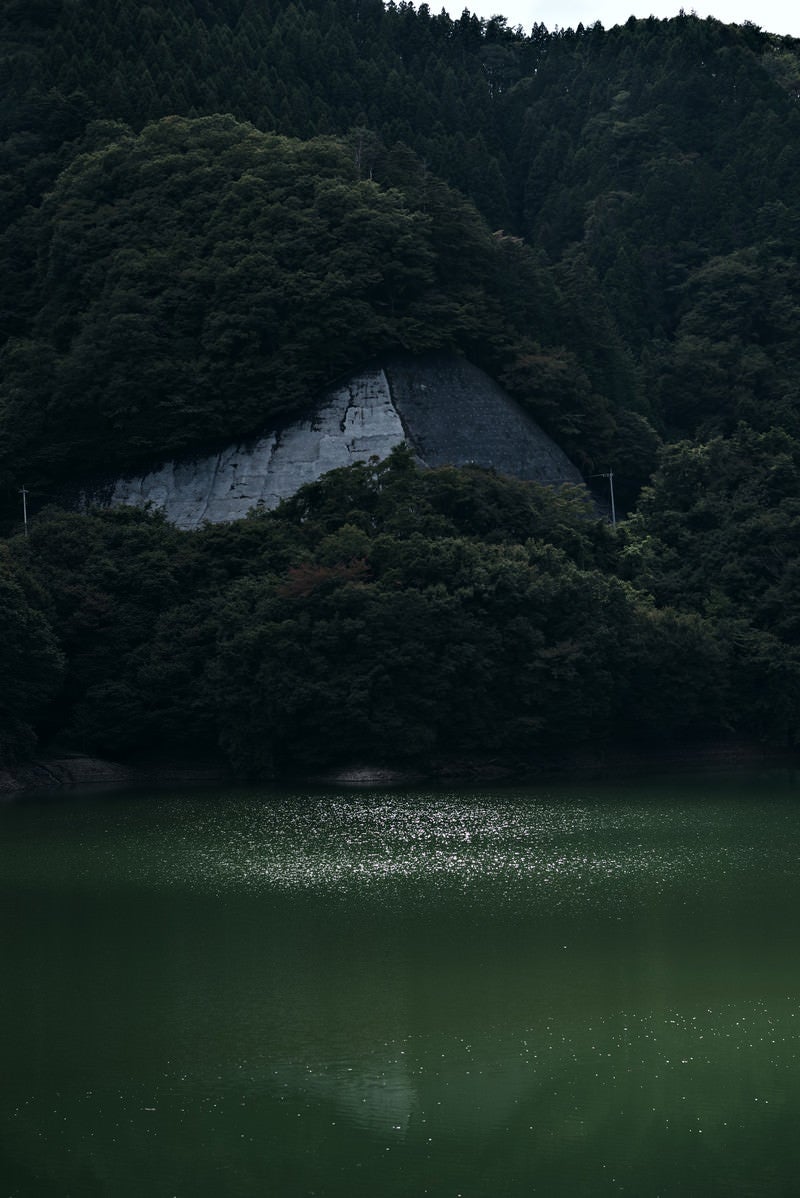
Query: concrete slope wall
{"x":455,"y":414}
{"x":447,"y":410}
{"x":351,"y":424}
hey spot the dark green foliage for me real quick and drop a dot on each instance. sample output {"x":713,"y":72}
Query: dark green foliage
{"x":650,"y":165}
{"x":31,"y":663}
{"x":211,"y":209}
{"x":735,"y":350}
{"x":423,"y":645}
{"x":196,"y":281}
{"x":384,"y":611}
{"x":717,"y":535}
{"x":106,"y":580}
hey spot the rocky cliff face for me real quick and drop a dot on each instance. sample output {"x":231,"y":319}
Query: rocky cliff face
{"x":448,"y":411}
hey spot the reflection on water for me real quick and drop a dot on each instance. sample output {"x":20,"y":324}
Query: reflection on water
{"x":556,"y":990}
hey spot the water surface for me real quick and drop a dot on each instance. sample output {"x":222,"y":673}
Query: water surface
{"x":561,"y":990}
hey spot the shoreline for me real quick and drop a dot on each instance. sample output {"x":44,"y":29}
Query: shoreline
{"x":600,"y":761}
{"x":74,"y":770}
{"x":77,"y":770}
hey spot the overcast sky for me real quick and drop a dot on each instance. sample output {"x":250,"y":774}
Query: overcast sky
{"x":776,"y":16}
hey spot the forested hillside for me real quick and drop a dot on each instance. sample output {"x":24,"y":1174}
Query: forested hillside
{"x":212,"y":208}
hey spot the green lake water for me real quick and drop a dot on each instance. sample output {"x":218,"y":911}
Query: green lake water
{"x":569,"y":989}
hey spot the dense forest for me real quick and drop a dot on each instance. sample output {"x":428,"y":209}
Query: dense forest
{"x":211,"y":209}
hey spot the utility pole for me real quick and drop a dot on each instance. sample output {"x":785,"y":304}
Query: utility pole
{"x":610,"y":477}
{"x":609,"y":474}
{"x":24,"y":493}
